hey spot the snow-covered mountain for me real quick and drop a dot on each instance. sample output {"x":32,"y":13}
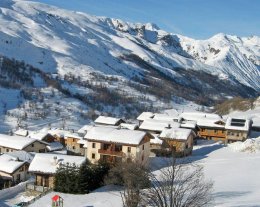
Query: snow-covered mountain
{"x":100,"y":60}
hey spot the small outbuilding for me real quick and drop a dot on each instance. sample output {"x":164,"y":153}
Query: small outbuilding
{"x":57,"y":201}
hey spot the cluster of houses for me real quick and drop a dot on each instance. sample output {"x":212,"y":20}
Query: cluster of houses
{"x":40,"y":153}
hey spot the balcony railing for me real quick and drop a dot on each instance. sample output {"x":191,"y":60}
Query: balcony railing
{"x":111,"y":152}
{"x":31,"y":186}
{"x":212,"y":134}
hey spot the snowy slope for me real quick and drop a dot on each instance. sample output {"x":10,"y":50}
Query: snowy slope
{"x":235,"y":175}
{"x":61,"y":41}
{"x":235,"y":57}
{"x":110,"y":66}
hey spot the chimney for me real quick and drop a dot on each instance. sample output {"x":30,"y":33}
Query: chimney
{"x":169,"y":126}
{"x":54,"y":160}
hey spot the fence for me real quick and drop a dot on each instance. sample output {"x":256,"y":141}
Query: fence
{"x":46,"y":191}
{"x":41,"y":189}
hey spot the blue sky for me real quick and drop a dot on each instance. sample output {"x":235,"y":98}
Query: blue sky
{"x":194,"y":18}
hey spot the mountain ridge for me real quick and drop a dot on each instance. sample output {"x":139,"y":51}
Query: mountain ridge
{"x":89,"y":56}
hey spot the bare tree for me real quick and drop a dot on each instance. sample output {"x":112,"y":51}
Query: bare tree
{"x":178,"y":185}
{"x":133,"y":177}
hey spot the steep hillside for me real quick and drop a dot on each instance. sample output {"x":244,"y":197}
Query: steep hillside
{"x":107,"y":65}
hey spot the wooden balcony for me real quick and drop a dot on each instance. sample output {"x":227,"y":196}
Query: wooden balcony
{"x":211,"y":134}
{"x":111,"y":152}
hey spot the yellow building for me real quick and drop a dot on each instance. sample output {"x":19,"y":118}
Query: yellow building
{"x":116,"y":145}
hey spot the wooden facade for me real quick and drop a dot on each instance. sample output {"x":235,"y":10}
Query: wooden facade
{"x":19,"y":175}
{"x":45,"y":180}
{"x":216,"y":134}
{"x":178,"y":146}
{"x":236,"y":135}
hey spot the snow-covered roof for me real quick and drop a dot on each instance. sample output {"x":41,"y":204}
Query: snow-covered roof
{"x":176,"y":133}
{"x":84,"y":129}
{"x":189,"y":124}
{"x":22,"y":155}
{"x":212,"y":123}
{"x":57,"y":132}
{"x":145,"y":115}
{"x":128,"y":126}
{"x":72,"y":135}
{"x":64,"y":133}
{"x":157,"y":125}
{"x":109,"y":134}
{"x":256,"y":122}
{"x":107,"y":120}
{"x":194,"y":116}
{"x":166,"y":117}
{"x":9,"y":164}
{"x":238,"y":124}
{"x":21,"y":132}
{"x":84,"y":142}
{"x":48,"y":163}
{"x":53,"y":146}
{"x":15,"y":142}
{"x":39,"y":135}
{"x":156,"y":139}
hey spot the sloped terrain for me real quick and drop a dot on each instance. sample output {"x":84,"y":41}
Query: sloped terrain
{"x":108,"y":65}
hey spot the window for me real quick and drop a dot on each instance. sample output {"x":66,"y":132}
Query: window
{"x":21,"y":169}
{"x":32,"y":145}
{"x":118,"y":148}
{"x":238,"y":134}
{"x":187,"y":146}
{"x":142,"y":157}
{"x":215,"y":131}
{"x":73,"y":147}
{"x":93,"y":145}
{"x":128,"y":149}
{"x":7,"y":150}
{"x":143,"y":147}
{"x":93,"y":156}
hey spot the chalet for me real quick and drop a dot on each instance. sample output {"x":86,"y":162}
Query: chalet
{"x":111,"y":121}
{"x":58,"y":135}
{"x":178,"y":140}
{"x":72,"y":141}
{"x":117,"y":145}
{"x":143,"y":116}
{"x":41,"y":135}
{"x":157,"y":126}
{"x":12,"y":170}
{"x":237,"y":129}
{"x":16,"y":143}
{"x":195,"y":116}
{"x":74,"y":144}
{"x":44,"y":167}
{"x":166,"y":117}
{"x":211,"y":129}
